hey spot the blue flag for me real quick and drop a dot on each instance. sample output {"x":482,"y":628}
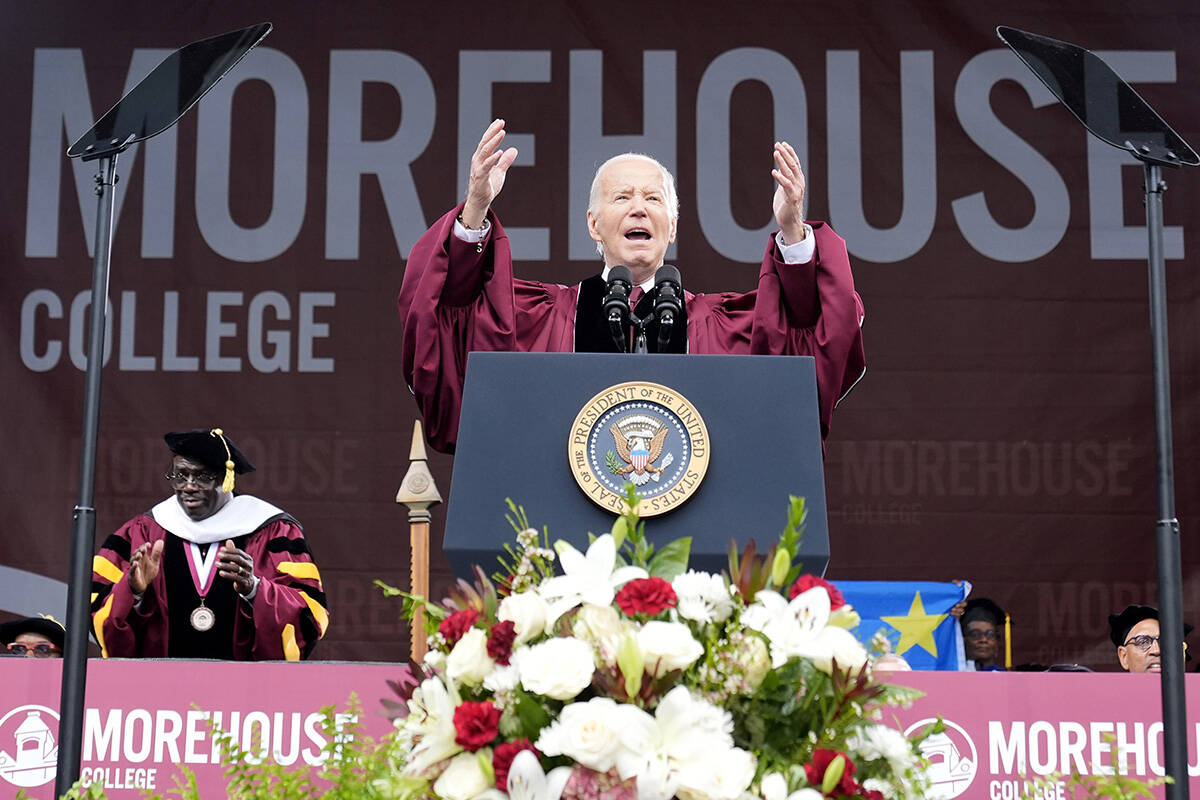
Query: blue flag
{"x":915,"y":617}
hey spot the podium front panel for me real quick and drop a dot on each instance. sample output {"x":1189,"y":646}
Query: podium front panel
{"x":517,"y":418}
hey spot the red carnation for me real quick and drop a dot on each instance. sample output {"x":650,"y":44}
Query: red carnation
{"x":476,"y":724}
{"x":815,"y":772}
{"x":806,"y":582}
{"x":650,"y":596}
{"x":454,"y":626}
{"x":500,"y":641}
{"x":502,"y":758}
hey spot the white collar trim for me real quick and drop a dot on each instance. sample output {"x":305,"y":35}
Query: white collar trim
{"x":241,"y":515}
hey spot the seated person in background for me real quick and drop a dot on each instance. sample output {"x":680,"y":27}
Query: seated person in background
{"x":1134,"y":632}
{"x":985,"y":632}
{"x":34,"y":637}
{"x":206,"y":573}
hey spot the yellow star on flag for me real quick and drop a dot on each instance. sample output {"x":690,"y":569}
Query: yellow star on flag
{"x":916,"y":628}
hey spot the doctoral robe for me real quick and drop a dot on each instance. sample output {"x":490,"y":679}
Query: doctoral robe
{"x":458,"y":297}
{"x":283,"y":620}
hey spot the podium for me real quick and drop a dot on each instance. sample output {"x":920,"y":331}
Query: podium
{"x":520,"y":437}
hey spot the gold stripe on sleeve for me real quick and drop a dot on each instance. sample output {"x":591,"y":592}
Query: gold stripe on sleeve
{"x":107,"y":569}
{"x":291,"y":650}
{"x":319,"y":613}
{"x":300,"y":569}
{"x":98,"y":620}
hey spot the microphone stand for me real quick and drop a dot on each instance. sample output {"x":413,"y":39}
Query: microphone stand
{"x":639,"y":332}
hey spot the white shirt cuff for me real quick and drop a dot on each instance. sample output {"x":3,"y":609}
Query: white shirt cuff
{"x":472,"y":236}
{"x":249,"y":596}
{"x":800,"y":252}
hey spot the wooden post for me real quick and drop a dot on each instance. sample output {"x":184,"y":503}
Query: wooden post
{"x":419,"y":493}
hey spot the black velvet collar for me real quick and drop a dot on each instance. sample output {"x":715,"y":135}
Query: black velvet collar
{"x":591,"y":328}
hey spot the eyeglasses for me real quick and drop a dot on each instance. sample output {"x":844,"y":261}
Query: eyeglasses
{"x":42,"y":650}
{"x":202,"y":480}
{"x":1142,"y":642}
{"x":979,"y":636}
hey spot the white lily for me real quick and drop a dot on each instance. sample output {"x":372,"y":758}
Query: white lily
{"x":686,"y":749}
{"x":793,"y":628}
{"x":431,"y":722}
{"x":590,"y":578}
{"x":527,"y":781}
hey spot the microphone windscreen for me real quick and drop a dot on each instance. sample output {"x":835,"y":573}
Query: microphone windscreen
{"x":668,"y":273}
{"x":620,"y":273}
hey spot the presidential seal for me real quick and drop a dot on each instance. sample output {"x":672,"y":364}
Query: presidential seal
{"x":640,"y":433}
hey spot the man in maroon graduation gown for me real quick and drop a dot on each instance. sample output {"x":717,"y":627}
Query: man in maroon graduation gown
{"x":206,"y":573}
{"x":459,"y":293}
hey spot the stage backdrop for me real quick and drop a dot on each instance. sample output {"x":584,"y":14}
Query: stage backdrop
{"x":1003,"y":433}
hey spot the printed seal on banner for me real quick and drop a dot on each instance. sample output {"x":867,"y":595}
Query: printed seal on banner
{"x":953,"y":759}
{"x":642,"y":433}
{"x":34,"y":760}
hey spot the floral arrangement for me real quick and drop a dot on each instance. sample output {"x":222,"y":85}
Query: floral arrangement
{"x":620,"y":674}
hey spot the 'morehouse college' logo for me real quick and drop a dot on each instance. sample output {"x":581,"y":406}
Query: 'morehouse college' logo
{"x":640,"y":433}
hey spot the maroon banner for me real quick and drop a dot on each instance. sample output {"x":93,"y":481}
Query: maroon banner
{"x":142,"y":718}
{"x":1003,"y":433}
{"x":1004,"y":731}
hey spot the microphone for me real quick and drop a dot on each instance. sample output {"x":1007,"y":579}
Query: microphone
{"x":668,"y":286}
{"x":616,"y":305}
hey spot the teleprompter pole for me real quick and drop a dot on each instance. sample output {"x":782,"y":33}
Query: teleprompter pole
{"x":83,"y":530}
{"x":1170,"y":581}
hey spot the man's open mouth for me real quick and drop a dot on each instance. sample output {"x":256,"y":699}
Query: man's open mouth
{"x":638,"y":234}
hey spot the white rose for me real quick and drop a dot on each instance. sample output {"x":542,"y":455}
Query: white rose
{"x":469,"y":662}
{"x":463,"y":777}
{"x":702,"y":597}
{"x":557,"y":668}
{"x":527,"y":612}
{"x":591,"y":733}
{"x":603,"y":627}
{"x":720,"y":775}
{"x":667,"y":646}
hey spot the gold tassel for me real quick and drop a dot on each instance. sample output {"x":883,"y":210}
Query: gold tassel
{"x":227,"y":484}
{"x":1007,"y":642}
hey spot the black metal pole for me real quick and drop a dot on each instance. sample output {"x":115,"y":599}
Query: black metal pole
{"x":1170,"y":581}
{"x":83,"y":530}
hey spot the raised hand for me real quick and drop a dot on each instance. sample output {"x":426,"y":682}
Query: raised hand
{"x":789,"y":193}
{"x":144,"y":565}
{"x":489,"y":167}
{"x":237,"y":566}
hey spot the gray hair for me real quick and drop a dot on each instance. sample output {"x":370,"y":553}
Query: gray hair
{"x":670,"y":196}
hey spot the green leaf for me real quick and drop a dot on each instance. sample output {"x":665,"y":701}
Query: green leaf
{"x":532,"y":715}
{"x":620,"y":529}
{"x":389,"y":591}
{"x":672,"y":559}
